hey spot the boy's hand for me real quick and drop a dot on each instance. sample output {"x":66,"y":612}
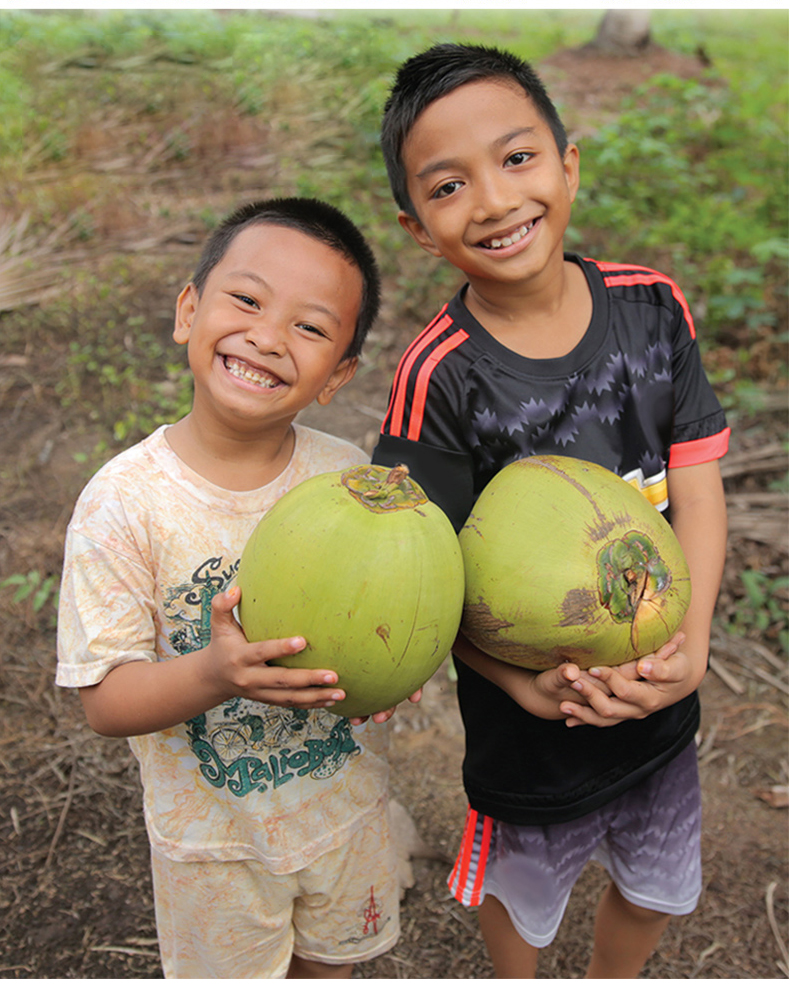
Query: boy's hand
{"x":635,"y":689}
{"x":382,"y":717}
{"x":543,"y":692}
{"x":237,"y":667}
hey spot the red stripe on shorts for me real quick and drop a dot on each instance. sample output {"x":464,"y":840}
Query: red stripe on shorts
{"x":468,"y":874}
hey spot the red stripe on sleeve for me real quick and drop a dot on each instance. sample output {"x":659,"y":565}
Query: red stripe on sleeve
{"x":423,"y":379}
{"x":631,"y":267}
{"x":401,"y":380}
{"x":645,"y":276}
{"x":699,"y":450}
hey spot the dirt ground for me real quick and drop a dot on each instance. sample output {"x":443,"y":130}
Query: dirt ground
{"x":75,"y":894}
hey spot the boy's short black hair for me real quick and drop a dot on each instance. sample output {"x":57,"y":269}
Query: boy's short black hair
{"x":319,"y":221}
{"x":438,"y":71}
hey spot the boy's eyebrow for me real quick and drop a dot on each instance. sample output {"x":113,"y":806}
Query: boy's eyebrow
{"x":315,"y":305}
{"x":442,"y":164}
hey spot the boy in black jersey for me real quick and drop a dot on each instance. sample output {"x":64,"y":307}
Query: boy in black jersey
{"x":543,"y":351}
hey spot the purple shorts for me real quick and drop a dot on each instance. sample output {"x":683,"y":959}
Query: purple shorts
{"x":648,"y":839}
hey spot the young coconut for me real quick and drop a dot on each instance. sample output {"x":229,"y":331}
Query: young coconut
{"x":565,"y":561}
{"x":369,"y":571}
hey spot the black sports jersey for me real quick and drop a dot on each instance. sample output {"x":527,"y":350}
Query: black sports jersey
{"x":631,"y":396}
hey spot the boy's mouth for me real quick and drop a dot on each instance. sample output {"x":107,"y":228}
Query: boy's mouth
{"x":502,"y":242}
{"x":253,"y":375}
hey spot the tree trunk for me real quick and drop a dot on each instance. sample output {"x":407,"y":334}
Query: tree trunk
{"x":623,"y":32}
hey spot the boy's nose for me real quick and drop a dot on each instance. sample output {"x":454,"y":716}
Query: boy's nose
{"x":497,"y":197}
{"x":267,"y":336}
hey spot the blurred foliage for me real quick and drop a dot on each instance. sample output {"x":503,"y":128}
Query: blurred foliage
{"x":689,"y":176}
{"x":761,"y":613}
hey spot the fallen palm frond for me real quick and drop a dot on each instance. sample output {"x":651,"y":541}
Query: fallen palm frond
{"x":771,"y":458}
{"x":31,"y":264}
{"x":748,"y":658}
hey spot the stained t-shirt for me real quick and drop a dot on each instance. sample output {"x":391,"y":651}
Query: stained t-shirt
{"x":149,"y":545}
{"x":631,"y":396}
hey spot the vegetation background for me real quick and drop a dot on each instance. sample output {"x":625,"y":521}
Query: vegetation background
{"x":124,"y":137}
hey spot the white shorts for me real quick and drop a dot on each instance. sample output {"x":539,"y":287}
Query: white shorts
{"x":235,"y":920}
{"x":648,"y":839}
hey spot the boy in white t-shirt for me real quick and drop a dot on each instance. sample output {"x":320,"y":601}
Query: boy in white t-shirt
{"x":266,"y":814}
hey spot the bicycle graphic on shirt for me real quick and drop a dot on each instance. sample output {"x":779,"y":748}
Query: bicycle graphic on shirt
{"x":244,"y":750}
{"x":252,"y":731}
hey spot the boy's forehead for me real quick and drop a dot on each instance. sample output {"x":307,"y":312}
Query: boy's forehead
{"x":274,"y":242}
{"x":472,"y":102}
{"x":266,"y":233}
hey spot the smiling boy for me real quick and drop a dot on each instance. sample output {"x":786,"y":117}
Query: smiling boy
{"x":266,"y":814}
{"x":544,"y":351}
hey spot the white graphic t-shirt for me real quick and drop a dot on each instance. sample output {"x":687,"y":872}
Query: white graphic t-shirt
{"x":149,"y":545}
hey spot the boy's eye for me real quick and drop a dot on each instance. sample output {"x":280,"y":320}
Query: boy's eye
{"x":312,"y":328}
{"x":446,"y":189}
{"x":519,"y":158}
{"x":250,"y":302}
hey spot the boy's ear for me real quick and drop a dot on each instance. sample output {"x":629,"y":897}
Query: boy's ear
{"x":570,"y":164}
{"x":186,"y":306}
{"x":343,"y":373}
{"x":414,"y":227}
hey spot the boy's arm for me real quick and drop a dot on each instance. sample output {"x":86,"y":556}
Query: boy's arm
{"x":699,"y":519}
{"x":144,"y":696}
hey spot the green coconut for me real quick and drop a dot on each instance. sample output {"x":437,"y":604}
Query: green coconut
{"x":369,"y":571}
{"x":565,"y":561}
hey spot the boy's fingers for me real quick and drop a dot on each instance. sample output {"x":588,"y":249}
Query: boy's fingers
{"x":567,"y":673}
{"x":382,"y":717}
{"x":224,"y":601}
{"x":222,"y":606}
{"x":670,"y":647}
{"x":627,"y":670}
{"x":589,"y":717}
{"x":271,"y":650}
{"x":297,"y":677}
{"x":656,"y":669}
{"x":620,"y":687}
{"x":296,"y":687}
{"x":588,"y":683}
{"x":560,"y":677}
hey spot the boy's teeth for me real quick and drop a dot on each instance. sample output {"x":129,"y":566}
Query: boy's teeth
{"x":239,"y":369}
{"x":509,"y":240}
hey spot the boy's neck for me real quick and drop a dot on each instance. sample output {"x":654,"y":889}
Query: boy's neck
{"x":542,"y":319}
{"x":232,"y":460}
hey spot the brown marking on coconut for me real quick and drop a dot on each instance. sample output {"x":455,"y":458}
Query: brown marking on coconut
{"x":479,"y":618}
{"x":532,"y":658}
{"x":579,"y":608}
